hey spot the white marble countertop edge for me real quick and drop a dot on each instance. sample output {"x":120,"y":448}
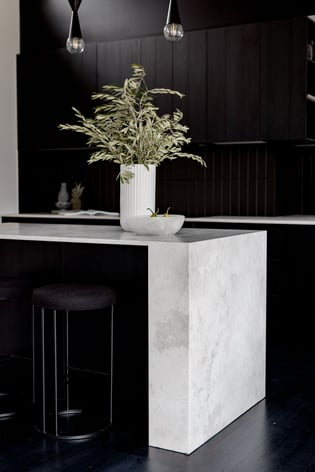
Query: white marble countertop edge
{"x":289,"y":219}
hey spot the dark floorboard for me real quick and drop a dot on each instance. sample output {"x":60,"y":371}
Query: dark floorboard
{"x":277,"y":435}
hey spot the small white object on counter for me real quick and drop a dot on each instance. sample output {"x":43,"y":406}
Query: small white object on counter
{"x":156,"y":225}
{"x":88,"y":212}
{"x":62,"y":205}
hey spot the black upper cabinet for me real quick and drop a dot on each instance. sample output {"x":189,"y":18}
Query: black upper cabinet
{"x":114,"y":59}
{"x":242,"y":83}
{"x":260,"y":85}
{"x":189,"y":77}
{"x":233,"y":83}
{"x":50,"y":87}
{"x":284,"y":86}
{"x":157,"y":59}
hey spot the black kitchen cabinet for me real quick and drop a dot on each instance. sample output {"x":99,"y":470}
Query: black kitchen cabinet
{"x":114,"y":59}
{"x":189,"y":78}
{"x":49,"y":88}
{"x":249,"y":82}
{"x":233,"y":83}
{"x":284,"y":85}
{"x":157,"y":59}
{"x":260,"y":84}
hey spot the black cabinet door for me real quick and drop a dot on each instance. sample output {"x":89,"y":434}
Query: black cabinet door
{"x":114,"y":59}
{"x":242,"y":90}
{"x":283,"y":95}
{"x":233,"y":78}
{"x":190,"y":79}
{"x":50,"y":87}
{"x":157,"y":59}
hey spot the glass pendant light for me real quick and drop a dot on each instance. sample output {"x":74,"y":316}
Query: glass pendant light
{"x":75,"y":43}
{"x":173,"y":30}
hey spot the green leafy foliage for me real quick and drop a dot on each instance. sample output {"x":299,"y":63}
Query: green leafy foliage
{"x":126,"y":128}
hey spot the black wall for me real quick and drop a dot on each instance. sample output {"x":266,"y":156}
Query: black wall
{"x":45,"y":23}
{"x":256,"y":179}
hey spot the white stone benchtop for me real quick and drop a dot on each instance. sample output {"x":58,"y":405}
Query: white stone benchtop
{"x":279,"y":220}
{"x":105,"y":234}
{"x":273,"y":220}
{"x":206,"y":322}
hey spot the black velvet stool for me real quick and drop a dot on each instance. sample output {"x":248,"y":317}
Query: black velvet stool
{"x":11,"y":288}
{"x":55,"y":304}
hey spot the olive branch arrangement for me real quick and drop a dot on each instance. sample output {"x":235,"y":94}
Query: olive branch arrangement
{"x":126,"y":128}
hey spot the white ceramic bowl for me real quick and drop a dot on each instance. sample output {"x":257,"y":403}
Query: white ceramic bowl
{"x":156,"y":226}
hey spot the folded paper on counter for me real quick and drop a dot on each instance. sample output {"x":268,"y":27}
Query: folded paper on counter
{"x":87,"y":212}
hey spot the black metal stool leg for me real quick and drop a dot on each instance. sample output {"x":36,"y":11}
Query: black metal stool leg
{"x":33,"y":349}
{"x":43,"y":369}
{"x":111,"y":364}
{"x":67,"y":361}
{"x":55,"y":374}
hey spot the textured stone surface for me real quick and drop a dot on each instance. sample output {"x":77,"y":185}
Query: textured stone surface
{"x":207,"y":337}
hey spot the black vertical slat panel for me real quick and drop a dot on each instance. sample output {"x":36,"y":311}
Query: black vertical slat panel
{"x":303,"y":168}
{"x":220,"y":167}
{"x":209,"y":183}
{"x":225,"y":195}
{"x":217,"y":158}
{"x":260,"y":181}
{"x":242,"y":83}
{"x":156,"y":57}
{"x":265,"y":157}
{"x":243,"y":181}
{"x":271,"y":182}
{"x":308,"y":184}
{"x":213,"y":210}
{"x":286,"y":180}
{"x":189,"y":68}
{"x":252,"y":181}
{"x":312,"y":204}
{"x":105,"y":190}
{"x":162,"y":185}
{"x":234,"y":186}
{"x":216,"y":80}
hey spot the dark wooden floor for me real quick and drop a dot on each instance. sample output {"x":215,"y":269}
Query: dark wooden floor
{"x":277,"y":435}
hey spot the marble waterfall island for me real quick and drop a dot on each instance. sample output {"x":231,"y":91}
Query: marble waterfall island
{"x":206,"y":321}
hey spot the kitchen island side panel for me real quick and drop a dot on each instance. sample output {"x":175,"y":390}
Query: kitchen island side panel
{"x":207,"y":328}
{"x":227,"y":332}
{"x":168,"y":346}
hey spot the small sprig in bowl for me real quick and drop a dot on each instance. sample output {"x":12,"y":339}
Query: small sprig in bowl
{"x":156,"y":224}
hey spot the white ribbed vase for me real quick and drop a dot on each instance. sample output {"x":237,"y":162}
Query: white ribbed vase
{"x":137,"y":195}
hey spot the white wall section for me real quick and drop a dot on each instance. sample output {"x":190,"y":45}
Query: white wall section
{"x":9,"y":48}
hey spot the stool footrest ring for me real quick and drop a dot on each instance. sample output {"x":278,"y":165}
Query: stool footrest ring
{"x":72,"y":425}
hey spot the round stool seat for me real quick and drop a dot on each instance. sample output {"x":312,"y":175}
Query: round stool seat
{"x":13,"y":287}
{"x":73,"y":297}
